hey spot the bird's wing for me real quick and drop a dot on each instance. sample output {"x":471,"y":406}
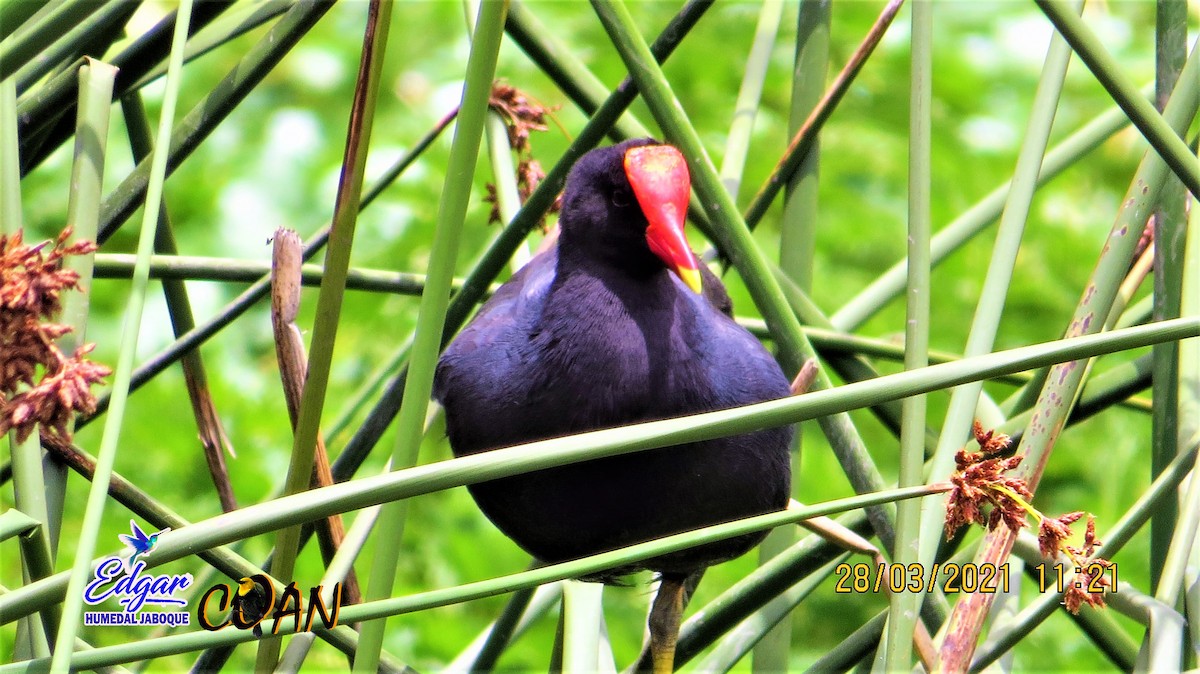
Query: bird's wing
{"x":138,"y":534}
{"x":490,"y":344}
{"x":741,"y":370}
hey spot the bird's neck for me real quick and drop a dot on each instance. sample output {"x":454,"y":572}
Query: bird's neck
{"x":638,"y":282}
{"x":608,"y":257}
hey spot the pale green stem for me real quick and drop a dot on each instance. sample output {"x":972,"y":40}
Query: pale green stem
{"x":329,"y":301}
{"x":464,"y":151}
{"x":989,"y":311}
{"x":1170,"y":233}
{"x":797,"y":245}
{"x":896,"y":652}
{"x":98,"y":491}
{"x":28,"y":480}
{"x":581,"y":626}
{"x":375,"y":610}
{"x":975,"y":219}
{"x":504,"y":175}
{"x":500,"y":155}
{"x":1157,"y":130}
{"x":737,"y":143}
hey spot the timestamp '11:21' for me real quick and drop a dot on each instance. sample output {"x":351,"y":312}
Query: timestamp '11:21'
{"x":1053,"y":576}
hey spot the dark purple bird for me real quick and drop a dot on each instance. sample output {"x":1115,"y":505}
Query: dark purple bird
{"x":619,"y":325}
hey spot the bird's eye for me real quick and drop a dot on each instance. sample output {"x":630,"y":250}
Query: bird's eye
{"x":621,"y":198}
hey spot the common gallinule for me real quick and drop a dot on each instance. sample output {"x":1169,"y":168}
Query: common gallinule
{"x":618,"y":325}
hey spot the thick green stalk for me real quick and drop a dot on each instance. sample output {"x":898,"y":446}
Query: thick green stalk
{"x":36,"y":482}
{"x":1170,"y":233}
{"x":504,"y":178}
{"x":1179,"y":564}
{"x":464,"y":150}
{"x":896,"y":652}
{"x":797,"y":244}
{"x":364,"y":492}
{"x":10,"y":160}
{"x":87,"y":177}
{"x":1179,"y":550}
{"x":1159,"y":132}
{"x":375,"y":610}
{"x":329,"y":301}
{"x":582,"y":617}
{"x":98,"y":491}
{"x":798,"y":227}
{"x":500,"y":156}
{"x":735,"y":238}
{"x":34,"y":39}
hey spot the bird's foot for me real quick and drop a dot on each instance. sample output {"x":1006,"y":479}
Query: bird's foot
{"x":665,"y":616}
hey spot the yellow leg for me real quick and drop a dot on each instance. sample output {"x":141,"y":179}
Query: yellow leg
{"x":665,"y":616}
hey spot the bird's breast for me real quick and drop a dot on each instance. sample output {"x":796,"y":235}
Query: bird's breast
{"x":614,"y":364}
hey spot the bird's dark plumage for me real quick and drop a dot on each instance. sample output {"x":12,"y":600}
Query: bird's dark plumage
{"x":599,"y":333}
{"x":252,"y":601}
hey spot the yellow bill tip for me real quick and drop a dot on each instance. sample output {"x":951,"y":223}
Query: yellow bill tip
{"x":690,"y":278}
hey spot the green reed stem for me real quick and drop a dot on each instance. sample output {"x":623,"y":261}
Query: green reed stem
{"x":98,"y":491}
{"x":329,"y":301}
{"x":464,"y":150}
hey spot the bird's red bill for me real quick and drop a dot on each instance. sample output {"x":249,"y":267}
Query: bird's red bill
{"x":660,"y":180}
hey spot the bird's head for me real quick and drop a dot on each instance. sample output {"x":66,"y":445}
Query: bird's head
{"x":627,"y":204}
{"x":245,"y":586}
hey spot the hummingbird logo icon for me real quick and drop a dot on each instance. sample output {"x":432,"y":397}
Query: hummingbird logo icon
{"x":139,"y":542}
